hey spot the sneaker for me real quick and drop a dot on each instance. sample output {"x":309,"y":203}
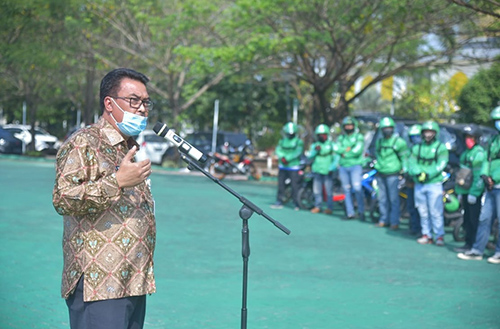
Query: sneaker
{"x":296,"y":208}
{"x":470,"y":255}
{"x":277,"y":205}
{"x":394,"y":227}
{"x":440,"y":241}
{"x":462,"y":249}
{"x":380,"y":224}
{"x":495,"y":259}
{"x":328,"y":211}
{"x":425,"y":239}
{"x":315,"y":210}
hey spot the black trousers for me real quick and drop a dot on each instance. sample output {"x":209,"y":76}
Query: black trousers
{"x":471,"y":219}
{"x":121,"y":313}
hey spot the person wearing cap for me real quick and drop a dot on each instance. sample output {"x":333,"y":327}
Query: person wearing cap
{"x":427,"y":162}
{"x":471,"y":188}
{"x":350,"y":146}
{"x":324,"y":164}
{"x":391,"y":154}
{"x":289,"y":150}
{"x":490,"y":173}
{"x":414,"y":135}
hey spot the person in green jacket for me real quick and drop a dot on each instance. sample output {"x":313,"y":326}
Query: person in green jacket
{"x":490,"y":173}
{"x":391,"y":154}
{"x":472,"y":161}
{"x":427,"y":162}
{"x":415,"y":136}
{"x":350,"y":146}
{"x":324,"y":163}
{"x":289,"y":151}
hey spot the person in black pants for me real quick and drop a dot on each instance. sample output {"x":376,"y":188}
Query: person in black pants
{"x":469,"y":183}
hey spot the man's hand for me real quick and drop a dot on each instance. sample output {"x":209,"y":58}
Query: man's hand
{"x":132,"y":173}
{"x":318,"y":148}
{"x":283,"y":160}
{"x":471,"y":199}
{"x":488,"y":182}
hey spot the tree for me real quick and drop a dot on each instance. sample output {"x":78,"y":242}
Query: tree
{"x":480,"y":96}
{"x":331,"y":44}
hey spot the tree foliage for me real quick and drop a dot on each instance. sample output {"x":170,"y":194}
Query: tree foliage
{"x":480,"y":96}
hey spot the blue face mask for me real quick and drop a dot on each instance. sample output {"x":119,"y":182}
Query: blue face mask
{"x":497,"y":125}
{"x":132,"y":124}
{"x":415,"y":139}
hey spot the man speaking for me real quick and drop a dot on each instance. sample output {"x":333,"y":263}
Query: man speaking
{"x":105,"y":199}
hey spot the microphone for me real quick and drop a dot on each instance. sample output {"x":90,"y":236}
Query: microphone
{"x":163,"y":131}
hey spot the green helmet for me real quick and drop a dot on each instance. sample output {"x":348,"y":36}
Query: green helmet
{"x":386,"y":122}
{"x":348,"y":121}
{"x":322,"y":129}
{"x":430,"y":125}
{"x":290,"y":128}
{"x":415,"y":130}
{"x":451,"y":203}
{"x":495,"y":114}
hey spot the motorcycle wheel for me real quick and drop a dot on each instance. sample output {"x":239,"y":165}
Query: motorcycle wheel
{"x":374,"y":212}
{"x":306,"y":198}
{"x":459,"y":230}
{"x":287,"y":195}
{"x":254,"y":172}
{"x":214,"y":172}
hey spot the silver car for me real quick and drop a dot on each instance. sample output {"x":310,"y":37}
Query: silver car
{"x":153,"y":147}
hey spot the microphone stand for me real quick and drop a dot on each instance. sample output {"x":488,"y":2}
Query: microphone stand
{"x":246,"y":211}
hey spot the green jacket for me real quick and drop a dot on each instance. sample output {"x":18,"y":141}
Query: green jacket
{"x":473,"y":159}
{"x":491,"y":167}
{"x":290,"y":149}
{"x":430,"y":159}
{"x":350,"y":148}
{"x":392,"y":155}
{"x":325,"y":160}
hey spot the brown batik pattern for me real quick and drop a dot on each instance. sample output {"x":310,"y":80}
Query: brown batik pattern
{"x":109,"y":233}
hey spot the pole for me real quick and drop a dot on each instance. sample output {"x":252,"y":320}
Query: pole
{"x":216,"y":125}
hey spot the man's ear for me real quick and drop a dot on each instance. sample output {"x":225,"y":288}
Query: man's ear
{"x":108,"y":104}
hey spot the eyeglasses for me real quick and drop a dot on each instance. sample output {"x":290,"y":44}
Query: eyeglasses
{"x":136,"y":103}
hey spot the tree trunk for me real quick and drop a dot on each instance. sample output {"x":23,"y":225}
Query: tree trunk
{"x":89,"y":100}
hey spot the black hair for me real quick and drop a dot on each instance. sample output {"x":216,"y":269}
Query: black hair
{"x":111,"y":82}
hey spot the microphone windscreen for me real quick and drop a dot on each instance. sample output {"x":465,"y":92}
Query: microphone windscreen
{"x":160,"y":129}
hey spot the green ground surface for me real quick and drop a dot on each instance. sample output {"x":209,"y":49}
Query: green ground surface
{"x":327,"y":274}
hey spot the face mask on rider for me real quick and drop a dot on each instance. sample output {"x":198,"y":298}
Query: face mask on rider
{"x":470,"y":142}
{"x":132,"y":124}
{"x":415,"y":139}
{"x":387,"y":132}
{"x":322,"y":137}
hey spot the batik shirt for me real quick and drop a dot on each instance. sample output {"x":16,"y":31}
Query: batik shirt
{"x":109,"y":232}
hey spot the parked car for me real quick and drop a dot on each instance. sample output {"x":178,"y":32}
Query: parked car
{"x":155,"y":148}
{"x":10,"y":144}
{"x":44,"y":142}
{"x":227,"y":142}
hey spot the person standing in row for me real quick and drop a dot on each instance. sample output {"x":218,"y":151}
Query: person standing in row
{"x":289,"y":151}
{"x":415,"y":229}
{"x":323,"y":166}
{"x":105,"y":199}
{"x":470,"y":185}
{"x":490,"y":173}
{"x":391,"y":153}
{"x":350,"y":146}
{"x":427,"y":162}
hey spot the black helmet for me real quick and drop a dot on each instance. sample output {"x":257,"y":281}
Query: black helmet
{"x":472,"y":130}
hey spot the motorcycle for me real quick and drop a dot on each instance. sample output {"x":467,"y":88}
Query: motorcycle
{"x":239,"y":161}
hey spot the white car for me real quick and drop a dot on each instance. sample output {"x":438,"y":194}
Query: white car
{"x":153,"y":147}
{"x":44,"y":142}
